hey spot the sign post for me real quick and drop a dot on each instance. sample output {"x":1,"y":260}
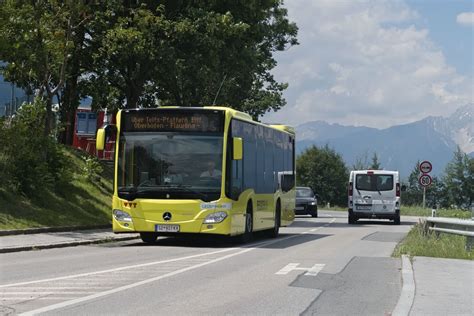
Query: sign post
{"x":425,"y":179}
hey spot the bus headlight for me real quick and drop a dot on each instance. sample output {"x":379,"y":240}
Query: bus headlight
{"x":215,"y":218}
{"x":122,"y":216}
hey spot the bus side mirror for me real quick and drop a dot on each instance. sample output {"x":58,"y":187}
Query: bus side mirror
{"x":100,"y":139}
{"x":237,"y":148}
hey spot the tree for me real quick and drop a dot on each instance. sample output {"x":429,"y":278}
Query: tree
{"x":36,"y":45}
{"x":324,"y":171}
{"x":459,"y":180}
{"x":189,"y":53}
{"x":361,"y":162}
{"x":375,"y":162}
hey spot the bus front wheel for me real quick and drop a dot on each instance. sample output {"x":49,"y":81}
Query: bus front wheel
{"x":149,"y":238}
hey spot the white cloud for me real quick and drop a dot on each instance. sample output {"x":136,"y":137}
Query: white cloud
{"x":465,"y":18}
{"x":364,"y":63}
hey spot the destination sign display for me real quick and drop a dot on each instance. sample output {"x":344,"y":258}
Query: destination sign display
{"x":161,"y":120}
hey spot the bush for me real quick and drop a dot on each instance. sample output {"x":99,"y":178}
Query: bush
{"x":323,"y":169}
{"x":92,"y":168}
{"x":30,"y":161}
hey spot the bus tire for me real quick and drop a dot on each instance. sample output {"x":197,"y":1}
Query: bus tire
{"x":247,"y":235}
{"x":149,"y":237}
{"x":273,"y":233}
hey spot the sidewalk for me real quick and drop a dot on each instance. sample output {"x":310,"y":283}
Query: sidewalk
{"x":45,"y":240}
{"x":443,"y":286}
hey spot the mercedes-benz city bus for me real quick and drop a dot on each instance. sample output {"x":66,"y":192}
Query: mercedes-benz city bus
{"x":209,"y":170}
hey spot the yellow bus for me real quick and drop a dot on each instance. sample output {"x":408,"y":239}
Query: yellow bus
{"x":207,"y":170}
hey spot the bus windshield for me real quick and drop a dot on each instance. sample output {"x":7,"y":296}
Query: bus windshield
{"x":170,"y":165}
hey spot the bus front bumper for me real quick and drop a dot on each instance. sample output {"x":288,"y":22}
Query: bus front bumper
{"x":172,"y":228}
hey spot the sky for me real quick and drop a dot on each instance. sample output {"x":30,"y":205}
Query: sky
{"x":376,"y":63}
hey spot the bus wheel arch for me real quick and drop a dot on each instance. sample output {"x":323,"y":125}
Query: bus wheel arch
{"x":248,"y":224}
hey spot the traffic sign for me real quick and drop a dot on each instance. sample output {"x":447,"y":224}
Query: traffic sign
{"x":426,"y":167}
{"x":425,"y":180}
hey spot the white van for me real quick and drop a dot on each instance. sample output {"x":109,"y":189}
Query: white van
{"x":374,"y":194}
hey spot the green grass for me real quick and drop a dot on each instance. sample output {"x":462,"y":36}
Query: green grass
{"x":416,"y":211}
{"x":79,"y":202}
{"x":424,"y":212}
{"x":418,"y":242}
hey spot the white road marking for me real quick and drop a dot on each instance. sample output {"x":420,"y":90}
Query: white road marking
{"x":116,"y":269}
{"x":289,"y":267}
{"x":49,"y":292}
{"x":313,"y":271}
{"x":57,"y":287}
{"x":33,"y":298}
{"x":136,"y":284}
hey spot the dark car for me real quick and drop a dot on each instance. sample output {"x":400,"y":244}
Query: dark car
{"x":306,"y":202}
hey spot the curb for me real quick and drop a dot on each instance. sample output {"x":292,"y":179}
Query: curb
{"x":51,"y":229}
{"x":407,"y":296}
{"x":67,"y":244}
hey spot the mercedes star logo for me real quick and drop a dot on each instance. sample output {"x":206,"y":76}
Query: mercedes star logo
{"x":167,"y":216}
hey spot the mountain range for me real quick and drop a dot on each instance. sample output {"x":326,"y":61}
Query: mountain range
{"x":398,"y":147}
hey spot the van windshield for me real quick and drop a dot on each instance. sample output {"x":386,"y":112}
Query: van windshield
{"x":374,"y":182}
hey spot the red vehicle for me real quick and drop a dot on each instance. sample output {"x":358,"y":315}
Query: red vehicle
{"x":86,"y":124}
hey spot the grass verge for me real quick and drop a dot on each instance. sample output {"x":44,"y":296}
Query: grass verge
{"x":417,"y":211}
{"x":425,"y":212}
{"x":420,"y":242}
{"x":79,"y":202}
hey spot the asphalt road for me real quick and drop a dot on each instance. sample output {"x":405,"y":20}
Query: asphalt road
{"x":318,"y":266}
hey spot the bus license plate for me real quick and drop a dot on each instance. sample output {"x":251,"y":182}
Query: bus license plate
{"x":364,"y":207}
{"x":167,"y":228}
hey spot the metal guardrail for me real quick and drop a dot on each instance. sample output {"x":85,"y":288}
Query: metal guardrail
{"x":464,"y":227}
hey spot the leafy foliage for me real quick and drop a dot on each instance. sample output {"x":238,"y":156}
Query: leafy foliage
{"x":30,"y":162}
{"x":36,"y":38}
{"x":454,"y":189}
{"x":459,"y":180}
{"x":146,"y":53}
{"x":324,"y":171}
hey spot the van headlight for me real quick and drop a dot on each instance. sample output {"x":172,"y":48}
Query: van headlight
{"x":215,"y":217}
{"x":121,"y":216}
{"x":312,"y":203}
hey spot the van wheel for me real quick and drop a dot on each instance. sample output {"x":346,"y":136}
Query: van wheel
{"x":247,"y":235}
{"x":315,"y":212}
{"x":273,"y":233}
{"x":351,"y":218}
{"x":149,"y":238}
{"x":396,"y":221}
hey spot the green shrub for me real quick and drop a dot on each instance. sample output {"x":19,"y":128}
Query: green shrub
{"x":92,"y":168}
{"x":30,"y":161}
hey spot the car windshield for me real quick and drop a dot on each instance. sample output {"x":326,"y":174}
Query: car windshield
{"x":157,"y":165}
{"x":374,"y":182}
{"x":304,"y":192}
